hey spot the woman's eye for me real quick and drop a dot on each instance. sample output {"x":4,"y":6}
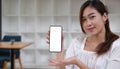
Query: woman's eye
{"x":83,"y":20}
{"x":91,"y":17}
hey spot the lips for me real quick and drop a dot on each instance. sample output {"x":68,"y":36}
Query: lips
{"x":91,"y":29}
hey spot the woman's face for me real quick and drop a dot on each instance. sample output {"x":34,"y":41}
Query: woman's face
{"x":93,"y":21}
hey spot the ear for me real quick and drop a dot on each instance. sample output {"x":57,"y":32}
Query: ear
{"x":105,"y":17}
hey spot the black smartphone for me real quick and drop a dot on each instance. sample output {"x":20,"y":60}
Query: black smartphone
{"x":55,"y":38}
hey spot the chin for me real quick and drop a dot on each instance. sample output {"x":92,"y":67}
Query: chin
{"x":92,"y":33}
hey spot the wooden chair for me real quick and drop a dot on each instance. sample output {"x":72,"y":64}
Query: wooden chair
{"x":6,"y":52}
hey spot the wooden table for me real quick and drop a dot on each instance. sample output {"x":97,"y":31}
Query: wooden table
{"x":12,"y":46}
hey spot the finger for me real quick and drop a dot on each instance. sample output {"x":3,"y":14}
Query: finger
{"x":52,"y":64}
{"x":48,"y":37}
{"x":54,"y":61}
{"x":48,"y":42}
{"x":48,"y":32}
{"x":51,"y":60}
{"x":56,"y":64}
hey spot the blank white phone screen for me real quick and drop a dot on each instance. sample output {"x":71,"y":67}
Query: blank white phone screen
{"x":55,"y":38}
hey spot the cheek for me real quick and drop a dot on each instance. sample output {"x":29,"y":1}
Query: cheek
{"x":99,"y":23}
{"x":99,"y":26}
{"x":84,"y":28}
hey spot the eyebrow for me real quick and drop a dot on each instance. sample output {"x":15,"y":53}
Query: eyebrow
{"x":89,"y":14}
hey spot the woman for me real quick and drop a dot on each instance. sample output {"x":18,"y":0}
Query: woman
{"x":99,"y":49}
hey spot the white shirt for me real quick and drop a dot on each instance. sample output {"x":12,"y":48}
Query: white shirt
{"x":109,"y":60}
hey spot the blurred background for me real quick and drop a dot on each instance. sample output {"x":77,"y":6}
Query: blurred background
{"x":31,"y":20}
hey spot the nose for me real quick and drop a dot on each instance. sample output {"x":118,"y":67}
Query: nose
{"x":88,"y":23}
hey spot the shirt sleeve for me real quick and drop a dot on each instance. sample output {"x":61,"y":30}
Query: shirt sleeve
{"x":114,"y":62}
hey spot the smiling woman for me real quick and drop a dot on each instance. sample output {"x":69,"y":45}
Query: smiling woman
{"x":98,"y":49}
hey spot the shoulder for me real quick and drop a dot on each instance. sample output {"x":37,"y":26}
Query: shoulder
{"x":115,"y":50}
{"x":116,"y":45}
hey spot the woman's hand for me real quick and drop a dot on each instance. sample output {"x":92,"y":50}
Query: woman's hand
{"x":48,"y":37}
{"x":63,"y":62}
{"x":59,"y":56}
{"x":68,"y":61}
